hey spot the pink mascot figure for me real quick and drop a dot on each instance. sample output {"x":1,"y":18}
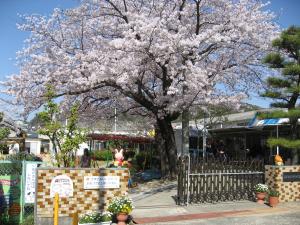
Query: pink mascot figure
{"x":118,"y":157}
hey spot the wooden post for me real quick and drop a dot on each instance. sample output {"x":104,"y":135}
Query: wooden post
{"x":75,"y":218}
{"x":56,"y":205}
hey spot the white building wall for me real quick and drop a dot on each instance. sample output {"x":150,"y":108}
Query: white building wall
{"x":34,"y":146}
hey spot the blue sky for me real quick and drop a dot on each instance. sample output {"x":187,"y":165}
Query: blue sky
{"x":11,"y":39}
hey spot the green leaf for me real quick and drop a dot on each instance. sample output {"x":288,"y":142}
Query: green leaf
{"x":270,"y":115}
{"x":279,"y":105}
{"x":271,"y":94}
{"x":4,"y":132}
{"x":293,"y":69}
{"x":293,"y":89}
{"x":293,"y":113}
{"x":274,"y":60}
{"x":284,"y":142}
{"x":289,"y":40}
{"x":277,"y":82}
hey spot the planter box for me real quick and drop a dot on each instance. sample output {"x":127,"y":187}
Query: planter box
{"x":101,"y":223}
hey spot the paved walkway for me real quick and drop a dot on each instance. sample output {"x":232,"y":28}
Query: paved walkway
{"x":157,"y":207}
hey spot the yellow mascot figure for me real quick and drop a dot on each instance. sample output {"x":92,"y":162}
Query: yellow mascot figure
{"x":278,"y":160}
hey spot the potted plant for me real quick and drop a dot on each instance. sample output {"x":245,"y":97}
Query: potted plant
{"x":273,"y":198}
{"x":261,"y":192}
{"x":96,"y":218}
{"x":121,"y":206}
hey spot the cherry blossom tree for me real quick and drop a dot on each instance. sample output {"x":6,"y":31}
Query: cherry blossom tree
{"x":153,"y":58}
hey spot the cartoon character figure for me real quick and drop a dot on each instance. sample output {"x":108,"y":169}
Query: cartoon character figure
{"x":278,"y":160}
{"x":118,"y":157}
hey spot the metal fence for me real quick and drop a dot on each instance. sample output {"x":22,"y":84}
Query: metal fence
{"x":213,"y":180}
{"x":17,"y":186}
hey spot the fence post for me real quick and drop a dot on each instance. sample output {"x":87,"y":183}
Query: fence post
{"x":22,"y":200}
{"x":188,"y":181}
{"x":56,"y":205}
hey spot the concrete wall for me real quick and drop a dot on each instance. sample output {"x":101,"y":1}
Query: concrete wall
{"x":82,"y":201}
{"x":289,"y":191}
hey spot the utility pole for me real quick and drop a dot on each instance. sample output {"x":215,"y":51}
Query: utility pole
{"x":115,"y":126}
{"x":185,"y":126}
{"x":204,"y":137}
{"x":185,"y":132}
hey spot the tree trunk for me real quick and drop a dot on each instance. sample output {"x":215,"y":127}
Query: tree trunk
{"x":53,"y":140}
{"x":167,"y":146}
{"x":160,"y":143}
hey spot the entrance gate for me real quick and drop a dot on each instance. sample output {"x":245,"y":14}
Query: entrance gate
{"x":213,"y":180}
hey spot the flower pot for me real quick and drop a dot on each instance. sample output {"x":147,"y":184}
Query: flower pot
{"x":273,"y":201}
{"x":122,"y":217}
{"x":260,"y":197}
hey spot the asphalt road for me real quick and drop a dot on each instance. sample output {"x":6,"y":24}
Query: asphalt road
{"x":276,"y":219}
{"x":160,"y":203}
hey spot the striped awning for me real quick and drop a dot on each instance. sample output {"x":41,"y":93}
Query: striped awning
{"x":268,"y":122}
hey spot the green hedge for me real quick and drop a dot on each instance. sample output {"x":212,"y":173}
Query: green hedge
{"x":23,"y":156}
{"x":102,"y":155}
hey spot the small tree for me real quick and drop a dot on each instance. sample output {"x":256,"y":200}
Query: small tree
{"x":284,"y":89}
{"x":4,"y":132}
{"x":65,"y":139}
{"x":47,"y":118}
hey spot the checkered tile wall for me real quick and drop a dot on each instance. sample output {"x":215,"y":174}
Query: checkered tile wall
{"x":82,"y":200}
{"x":289,"y":191}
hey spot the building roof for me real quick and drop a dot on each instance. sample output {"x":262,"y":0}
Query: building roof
{"x":15,"y":129}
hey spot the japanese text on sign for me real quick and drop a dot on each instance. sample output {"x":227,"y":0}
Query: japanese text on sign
{"x":97,"y":182}
{"x":30,"y":182}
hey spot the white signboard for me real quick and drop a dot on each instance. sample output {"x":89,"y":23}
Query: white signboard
{"x":63,"y":185}
{"x":30,"y":182}
{"x":97,"y":182}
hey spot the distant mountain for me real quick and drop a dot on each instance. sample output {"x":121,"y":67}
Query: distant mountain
{"x":246,"y":107}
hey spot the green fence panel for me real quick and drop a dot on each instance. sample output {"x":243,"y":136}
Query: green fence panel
{"x":10,"y":192}
{"x":17,"y":190}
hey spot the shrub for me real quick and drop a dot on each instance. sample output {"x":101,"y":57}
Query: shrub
{"x":29,"y":220}
{"x":121,"y":204}
{"x":261,"y":188}
{"x":102,"y":155}
{"x":273,"y":193}
{"x":95,"y":217}
{"x":23,"y":156}
{"x":4,"y":219}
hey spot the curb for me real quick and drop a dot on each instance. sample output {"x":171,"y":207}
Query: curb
{"x":207,"y":215}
